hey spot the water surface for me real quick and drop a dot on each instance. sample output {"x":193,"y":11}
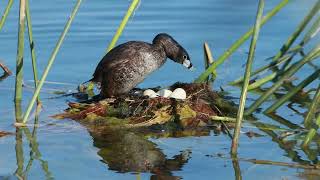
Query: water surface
{"x":68,"y":151}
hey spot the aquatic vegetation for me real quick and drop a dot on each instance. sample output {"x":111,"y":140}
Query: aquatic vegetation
{"x":50,"y":62}
{"x":196,"y":110}
{"x":200,"y":109}
{"x":5,"y":14}
{"x":244,"y":89}
{"x":280,"y":76}
{"x":124,"y":21}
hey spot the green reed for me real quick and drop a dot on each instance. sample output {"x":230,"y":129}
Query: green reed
{"x":310,"y":116}
{"x":256,"y":30}
{"x":5,"y":14}
{"x":20,"y":52}
{"x":286,"y":75}
{"x":278,"y":58}
{"x":50,"y":62}
{"x":123,"y":24}
{"x":294,"y":91}
{"x":239,"y":42}
{"x":32,"y":47}
{"x":208,"y":60}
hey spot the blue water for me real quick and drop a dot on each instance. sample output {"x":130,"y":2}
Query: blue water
{"x":67,"y":148}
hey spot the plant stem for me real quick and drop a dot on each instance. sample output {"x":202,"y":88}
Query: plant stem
{"x":123,"y":24}
{"x":20,"y":52}
{"x":286,"y":47}
{"x":270,"y":65}
{"x":312,"y":110}
{"x":51,"y":60}
{"x":223,"y":118}
{"x":315,"y":28}
{"x":298,"y":31}
{"x":31,"y":42}
{"x":208,"y":60}
{"x":5,"y":14}
{"x":5,"y":68}
{"x":256,"y":30}
{"x":295,"y":90}
{"x":294,"y":68}
{"x":312,"y":132}
{"x":19,"y":154}
{"x":239,"y":42}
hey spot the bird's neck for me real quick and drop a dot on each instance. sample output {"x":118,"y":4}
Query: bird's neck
{"x":162,"y":53}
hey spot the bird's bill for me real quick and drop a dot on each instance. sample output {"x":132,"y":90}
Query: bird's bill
{"x":187,"y":63}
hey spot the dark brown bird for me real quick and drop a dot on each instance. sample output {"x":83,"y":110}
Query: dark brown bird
{"x":126,"y":65}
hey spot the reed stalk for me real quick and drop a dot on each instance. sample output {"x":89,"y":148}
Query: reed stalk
{"x":208,"y":60}
{"x":123,"y":24}
{"x":20,"y":52}
{"x":298,"y":31}
{"x":312,"y":132}
{"x":256,"y":30}
{"x":315,"y":28}
{"x":236,"y":168}
{"x":284,"y":122}
{"x":291,"y":93}
{"x":303,"y":165}
{"x":19,"y":154}
{"x":308,"y":120}
{"x":5,"y":14}
{"x":286,"y":47}
{"x":271,"y":76}
{"x":313,"y":107}
{"x":35,"y":153}
{"x":239,"y":42}
{"x":223,"y":118}
{"x":270,"y":65}
{"x":287,"y":74}
{"x":32,"y":49}
{"x":51,"y":60}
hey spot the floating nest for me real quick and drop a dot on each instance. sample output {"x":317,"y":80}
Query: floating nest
{"x":135,"y":110}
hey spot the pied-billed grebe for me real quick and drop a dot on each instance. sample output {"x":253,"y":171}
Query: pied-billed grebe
{"x":126,"y":65}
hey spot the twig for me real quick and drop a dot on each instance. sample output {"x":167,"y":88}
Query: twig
{"x":5,"y":69}
{"x":268,"y":162}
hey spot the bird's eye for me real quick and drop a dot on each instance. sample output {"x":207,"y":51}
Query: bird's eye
{"x":184,"y":57}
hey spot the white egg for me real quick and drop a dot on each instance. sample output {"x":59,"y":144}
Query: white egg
{"x":179,"y":93}
{"x":164,"y":92}
{"x":154,"y":95}
{"x":150,"y":93}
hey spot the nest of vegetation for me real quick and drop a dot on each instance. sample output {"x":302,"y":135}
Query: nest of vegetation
{"x":135,"y":110}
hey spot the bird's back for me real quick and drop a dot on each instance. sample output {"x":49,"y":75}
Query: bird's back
{"x":132,"y":52}
{"x":127,"y":65}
